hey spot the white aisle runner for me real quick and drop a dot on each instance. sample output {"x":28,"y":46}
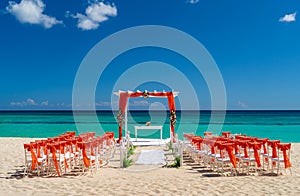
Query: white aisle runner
{"x":151,"y":157}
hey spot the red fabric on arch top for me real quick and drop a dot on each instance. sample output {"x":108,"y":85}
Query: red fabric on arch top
{"x":124,"y":99}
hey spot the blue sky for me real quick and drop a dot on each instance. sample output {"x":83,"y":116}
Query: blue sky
{"x":255,"y":44}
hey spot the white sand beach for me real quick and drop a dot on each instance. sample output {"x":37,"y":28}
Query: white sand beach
{"x":159,"y":181}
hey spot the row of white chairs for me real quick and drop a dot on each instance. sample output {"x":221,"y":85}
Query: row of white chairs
{"x":239,"y":154}
{"x":68,"y":154}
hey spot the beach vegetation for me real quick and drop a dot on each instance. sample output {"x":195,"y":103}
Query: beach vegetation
{"x":170,"y":146}
{"x":130,"y":150}
{"x":127,"y":162}
{"x":176,"y":163}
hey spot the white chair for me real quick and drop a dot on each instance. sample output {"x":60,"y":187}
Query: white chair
{"x":283,"y":156}
{"x":28,"y":159}
{"x":253,"y":158}
{"x":35,"y":160}
{"x":57,"y":161}
{"x":227,"y":158}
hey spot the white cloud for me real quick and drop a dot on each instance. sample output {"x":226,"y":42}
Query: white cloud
{"x":288,"y":18}
{"x":17,"y":103}
{"x":44,"y":103}
{"x":242,"y":105}
{"x":31,"y":11}
{"x":193,"y":1}
{"x":95,"y":14}
{"x":28,"y":102}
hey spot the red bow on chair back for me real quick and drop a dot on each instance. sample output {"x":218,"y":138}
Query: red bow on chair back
{"x":256,"y":146}
{"x":284,"y":148}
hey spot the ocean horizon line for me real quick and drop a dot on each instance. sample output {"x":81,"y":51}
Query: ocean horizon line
{"x":142,"y":110}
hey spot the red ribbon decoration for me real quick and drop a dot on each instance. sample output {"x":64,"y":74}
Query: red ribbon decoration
{"x":284,"y":148}
{"x":229,"y":149}
{"x":256,"y":146}
{"x":86,"y":160}
{"x":53,"y":151}
{"x":30,"y":147}
{"x":273,"y":144}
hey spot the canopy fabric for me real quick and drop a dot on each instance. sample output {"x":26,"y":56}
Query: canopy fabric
{"x":124,"y":99}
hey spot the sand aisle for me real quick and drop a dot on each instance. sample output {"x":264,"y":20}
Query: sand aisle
{"x":162,"y":181}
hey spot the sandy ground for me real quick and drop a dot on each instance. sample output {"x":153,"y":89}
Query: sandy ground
{"x":155,"y":181}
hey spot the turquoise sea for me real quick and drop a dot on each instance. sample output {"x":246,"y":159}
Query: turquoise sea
{"x":283,"y":125}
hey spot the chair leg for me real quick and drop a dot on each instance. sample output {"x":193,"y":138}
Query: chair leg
{"x":25,"y":170}
{"x":222,"y":168}
{"x":249,"y":164}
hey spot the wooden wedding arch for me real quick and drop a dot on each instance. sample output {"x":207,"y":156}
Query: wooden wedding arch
{"x":123,"y":99}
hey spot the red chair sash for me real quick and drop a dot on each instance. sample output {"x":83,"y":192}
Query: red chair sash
{"x":83,"y":146}
{"x":30,"y":147}
{"x":273,"y":144}
{"x":229,"y":148}
{"x":52,"y":148}
{"x":226,"y":134}
{"x":256,"y":147}
{"x":284,"y":148}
